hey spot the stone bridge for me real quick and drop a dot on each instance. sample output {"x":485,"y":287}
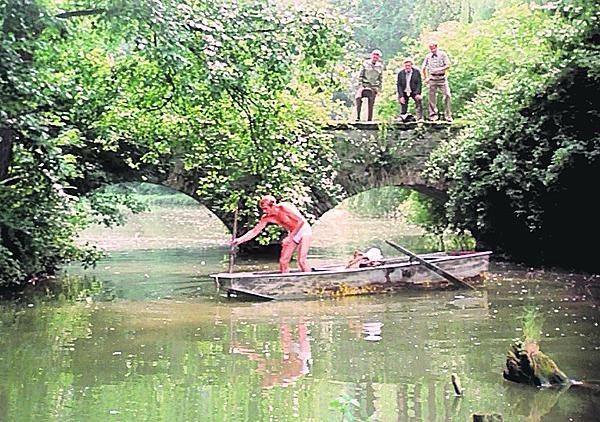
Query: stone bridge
{"x":374,"y":155}
{"x":371,"y":155}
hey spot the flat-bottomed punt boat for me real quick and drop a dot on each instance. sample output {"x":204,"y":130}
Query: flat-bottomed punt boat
{"x":336,"y":280}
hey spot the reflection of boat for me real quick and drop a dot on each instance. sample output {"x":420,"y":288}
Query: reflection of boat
{"x":445,"y":304}
{"x":337,"y":280}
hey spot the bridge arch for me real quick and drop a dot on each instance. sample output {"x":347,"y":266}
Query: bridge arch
{"x":374,"y":155}
{"x":369,"y":155}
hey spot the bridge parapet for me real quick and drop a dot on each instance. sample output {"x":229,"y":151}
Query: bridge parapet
{"x":369,"y":155}
{"x":373,"y":155}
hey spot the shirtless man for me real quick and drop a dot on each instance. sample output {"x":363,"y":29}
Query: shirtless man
{"x":287,"y":216}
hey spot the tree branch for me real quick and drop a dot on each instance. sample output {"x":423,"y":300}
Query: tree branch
{"x":166,"y":99}
{"x":238,"y":99}
{"x":9,"y":180}
{"x":7,"y":136}
{"x":76,"y":13}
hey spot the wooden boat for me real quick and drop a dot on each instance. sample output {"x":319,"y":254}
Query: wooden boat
{"x":332,"y":281}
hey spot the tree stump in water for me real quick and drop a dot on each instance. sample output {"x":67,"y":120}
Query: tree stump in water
{"x":526,"y":364}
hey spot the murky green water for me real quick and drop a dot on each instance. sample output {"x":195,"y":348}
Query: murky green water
{"x":146,"y":336}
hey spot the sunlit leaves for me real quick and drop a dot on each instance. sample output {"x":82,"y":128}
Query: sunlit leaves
{"x":235,"y":90}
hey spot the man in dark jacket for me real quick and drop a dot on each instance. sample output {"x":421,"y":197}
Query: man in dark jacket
{"x":409,"y":86}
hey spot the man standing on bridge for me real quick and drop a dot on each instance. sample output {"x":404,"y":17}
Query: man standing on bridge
{"x":370,"y":82}
{"x":287,"y":216}
{"x":435,"y":68}
{"x":409,"y":86}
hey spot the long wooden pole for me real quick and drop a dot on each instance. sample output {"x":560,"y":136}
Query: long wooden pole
{"x":431,"y":266}
{"x":233,"y":235}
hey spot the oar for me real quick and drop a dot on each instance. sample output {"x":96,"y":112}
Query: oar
{"x":233,"y":234}
{"x":431,"y":266}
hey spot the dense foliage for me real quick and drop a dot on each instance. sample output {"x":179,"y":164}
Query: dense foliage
{"x":232,"y":88}
{"x":483,"y":53}
{"x":390,"y":24}
{"x":38,"y":217}
{"x":521,"y":175}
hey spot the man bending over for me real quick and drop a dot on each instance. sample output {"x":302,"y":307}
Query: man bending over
{"x":287,"y":216}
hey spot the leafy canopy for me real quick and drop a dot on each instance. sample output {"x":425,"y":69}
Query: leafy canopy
{"x":233,"y":90}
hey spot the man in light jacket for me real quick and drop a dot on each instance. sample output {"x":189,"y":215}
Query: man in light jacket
{"x":435,"y":68}
{"x":370,"y":82}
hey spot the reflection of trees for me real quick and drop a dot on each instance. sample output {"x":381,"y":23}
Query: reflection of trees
{"x":557,"y":403}
{"x":533,"y":407}
{"x":174,"y":362}
{"x":36,"y":348}
{"x":409,"y":400}
{"x":408,"y":350}
{"x":160,"y":352}
{"x":406,"y":374}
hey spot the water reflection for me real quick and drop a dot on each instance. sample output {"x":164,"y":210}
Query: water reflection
{"x":146,"y":336}
{"x":86,"y":359}
{"x":534,"y":408}
{"x":295,"y":361}
{"x":372,"y":330}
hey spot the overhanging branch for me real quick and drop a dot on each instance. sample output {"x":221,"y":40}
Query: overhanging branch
{"x":76,"y":13}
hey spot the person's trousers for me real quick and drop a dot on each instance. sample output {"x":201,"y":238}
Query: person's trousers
{"x":370,"y":95}
{"x":442,"y":85}
{"x":418,"y":106}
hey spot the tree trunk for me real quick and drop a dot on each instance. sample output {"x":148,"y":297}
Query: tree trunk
{"x":6,"y":140}
{"x":526,"y":364}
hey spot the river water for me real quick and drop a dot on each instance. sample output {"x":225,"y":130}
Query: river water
{"x":146,"y":336}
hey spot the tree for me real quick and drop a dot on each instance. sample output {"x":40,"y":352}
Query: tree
{"x":236,"y":89}
{"x":519,"y":173}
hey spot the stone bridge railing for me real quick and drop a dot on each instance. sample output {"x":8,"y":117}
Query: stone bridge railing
{"x":370,"y":155}
{"x":374,"y":155}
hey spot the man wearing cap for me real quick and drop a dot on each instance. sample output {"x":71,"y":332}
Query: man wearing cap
{"x":435,"y":68}
{"x":409,"y":86}
{"x":369,"y":83}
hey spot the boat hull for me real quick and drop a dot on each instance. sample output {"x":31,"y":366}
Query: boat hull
{"x":394,"y":274}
